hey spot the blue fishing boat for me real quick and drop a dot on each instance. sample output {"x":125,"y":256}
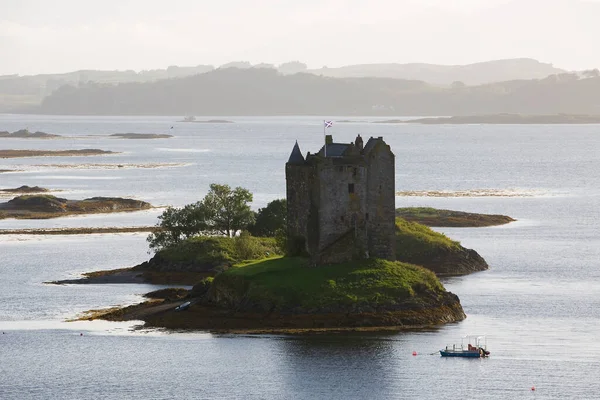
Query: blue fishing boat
{"x":476,"y":348}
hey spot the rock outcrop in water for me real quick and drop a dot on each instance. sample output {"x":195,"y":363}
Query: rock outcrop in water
{"x":141,"y":136}
{"x":25,"y":134}
{"x":47,"y":206}
{"x":448,"y":218}
{"x":25,"y":189}
{"x":54,"y":153}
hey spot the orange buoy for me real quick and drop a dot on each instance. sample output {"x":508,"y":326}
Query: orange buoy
{"x":414,"y":353}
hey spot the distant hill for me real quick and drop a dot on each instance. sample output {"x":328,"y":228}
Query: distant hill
{"x":19,"y":91}
{"x":263,"y":91}
{"x":471,"y":74}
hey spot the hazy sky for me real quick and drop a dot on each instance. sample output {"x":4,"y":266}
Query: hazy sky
{"x":42,"y":36}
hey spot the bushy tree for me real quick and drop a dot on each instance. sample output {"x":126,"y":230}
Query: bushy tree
{"x":223,"y":211}
{"x":176,"y":225}
{"x":270,"y":219}
{"x":226,"y":211}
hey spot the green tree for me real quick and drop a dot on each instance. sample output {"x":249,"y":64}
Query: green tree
{"x":270,"y":219}
{"x":226,"y":211}
{"x":175,"y":225}
{"x":223,"y":211}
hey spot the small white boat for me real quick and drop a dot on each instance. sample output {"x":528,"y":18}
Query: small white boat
{"x":183,"y":306}
{"x":476,"y":348}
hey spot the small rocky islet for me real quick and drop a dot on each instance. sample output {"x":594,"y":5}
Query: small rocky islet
{"x":44,"y":206}
{"x":25,"y":189}
{"x":208,"y":121}
{"x":26,"y":134}
{"x":10,"y":153}
{"x":140,"y":136}
{"x":447,"y":218}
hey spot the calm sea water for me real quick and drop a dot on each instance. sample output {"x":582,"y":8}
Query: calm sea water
{"x":539,"y":303}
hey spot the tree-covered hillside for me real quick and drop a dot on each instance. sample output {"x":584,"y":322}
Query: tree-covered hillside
{"x":263,"y":91}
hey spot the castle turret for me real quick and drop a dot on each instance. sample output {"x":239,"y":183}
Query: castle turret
{"x":297,"y":174}
{"x":359,"y":143}
{"x":296,"y":156}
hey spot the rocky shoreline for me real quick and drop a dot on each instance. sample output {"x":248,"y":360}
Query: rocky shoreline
{"x":163,"y":314}
{"x":231,"y":304}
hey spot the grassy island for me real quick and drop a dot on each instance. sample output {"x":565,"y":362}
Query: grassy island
{"x":268,"y":283}
{"x":286,"y":295}
{"x":44,"y":206}
{"x":203,"y":256}
{"x":418,"y":244}
{"x":25,"y":189}
{"x":447,"y":218}
{"x":25,"y":134}
{"x":290,"y":284}
{"x":52,"y":153}
{"x":271,"y":293}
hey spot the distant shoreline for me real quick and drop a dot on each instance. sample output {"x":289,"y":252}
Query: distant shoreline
{"x":77,"y":231}
{"x":501,"y":119}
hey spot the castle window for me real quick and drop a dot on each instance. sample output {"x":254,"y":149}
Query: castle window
{"x":367,"y":216}
{"x":354,"y":172}
{"x":351,"y":188}
{"x":341,"y":169}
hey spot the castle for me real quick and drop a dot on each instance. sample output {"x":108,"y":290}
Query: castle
{"x":341,"y":201}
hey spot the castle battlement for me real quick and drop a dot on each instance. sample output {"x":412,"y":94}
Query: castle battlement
{"x":341,"y":201}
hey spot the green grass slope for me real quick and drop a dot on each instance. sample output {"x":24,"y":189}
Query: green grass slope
{"x":448,"y":218}
{"x":418,"y":244}
{"x":207,"y":253}
{"x":289,"y":284}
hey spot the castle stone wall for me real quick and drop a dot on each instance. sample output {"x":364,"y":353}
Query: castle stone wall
{"x":298,"y":194}
{"x":342,"y":207}
{"x":381,"y":202}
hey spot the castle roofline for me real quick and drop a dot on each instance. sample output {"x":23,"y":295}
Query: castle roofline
{"x":371,"y":143}
{"x":334,"y":149}
{"x":296,"y":157}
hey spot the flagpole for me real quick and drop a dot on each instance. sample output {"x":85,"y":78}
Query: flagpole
{"x":325,"y":138}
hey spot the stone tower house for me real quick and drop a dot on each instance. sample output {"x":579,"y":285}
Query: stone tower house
{"x":341,"y":201}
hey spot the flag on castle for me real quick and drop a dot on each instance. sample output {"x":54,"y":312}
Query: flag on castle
{"x":326,"y":124}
